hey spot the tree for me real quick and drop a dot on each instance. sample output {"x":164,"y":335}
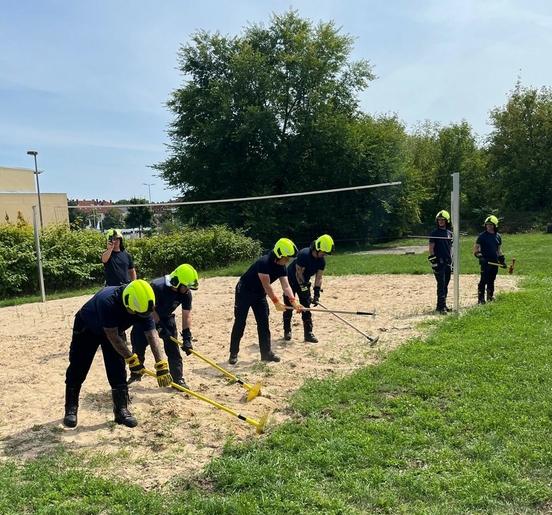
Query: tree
{"x":266,"y":112}
{"x":113,"y":218}
{"x":78,"y":218}
{"x":138,"y":216}
{"x":520,"y":150}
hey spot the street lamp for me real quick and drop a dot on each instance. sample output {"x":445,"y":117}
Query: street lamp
{"x":149,"y":185}
{"x":34,"y":153}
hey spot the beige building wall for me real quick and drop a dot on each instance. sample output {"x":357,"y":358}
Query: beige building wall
{"x":18,"y":195}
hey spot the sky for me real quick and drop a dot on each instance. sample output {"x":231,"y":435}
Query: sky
{"x":85,"y":83}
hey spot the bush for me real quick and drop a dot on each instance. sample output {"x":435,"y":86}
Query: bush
{"x":71,"y":259}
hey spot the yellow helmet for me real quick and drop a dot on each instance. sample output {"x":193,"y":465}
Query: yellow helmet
{"x":184,"y":275}
{"x":324,"y":244}
{"x":112,"y":234}
{"x":491,"y":219}
{"x":138,"y":297}
{"x":284,"y":247}
{"x":443,"y":214}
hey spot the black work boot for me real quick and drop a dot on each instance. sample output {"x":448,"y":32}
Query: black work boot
{"x":287,"y":336}
{"x":287,"y":329}
{"x":490,"y":295}
{"x":181,"y":382}
{"x":309,"y":335}
{"x":71,"y":406}
{"x":120,"y":407}
{"x":481,"y":297}
{"x":233,"y":359}
{"x":270,"y":357}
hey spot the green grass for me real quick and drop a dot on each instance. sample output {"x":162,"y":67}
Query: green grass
{"x":457,"y":423}
{"x":26,"y":299}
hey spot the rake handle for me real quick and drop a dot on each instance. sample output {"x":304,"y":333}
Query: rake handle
{"x":369,"y":338}
{"x":227,"y":373}
{"x":334,"y":311}
{"x":217,"y":405}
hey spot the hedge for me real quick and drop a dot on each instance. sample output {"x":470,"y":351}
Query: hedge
{"x":71,"y":259}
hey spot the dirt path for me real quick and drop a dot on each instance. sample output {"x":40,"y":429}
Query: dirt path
{"x":176,"y":434}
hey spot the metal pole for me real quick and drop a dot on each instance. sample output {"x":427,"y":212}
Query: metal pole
{"x":38,"y":256}
{"x":455,"y":200}
{"x":34,"y":153}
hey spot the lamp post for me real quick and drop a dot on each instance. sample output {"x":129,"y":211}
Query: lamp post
{"x":149,"y":185}
{"x":34,"y":153}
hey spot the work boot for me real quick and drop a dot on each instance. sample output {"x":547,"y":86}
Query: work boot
{"x":287,"y":336}
{"x":310,"y":338}
{"x":490,"y":295}
{"x":181,"y":382}
{"x":441,"y":311}
{"x":120,"y":407}
{"x":233,"y":359}
{"x":133,"y":378}
{"x":71,"y":406}
{"x":481,"y":297}
{"x":270,"y":357}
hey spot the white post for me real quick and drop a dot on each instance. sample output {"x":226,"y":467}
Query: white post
{"x":455,"y":201}
{"x":38,"y":255}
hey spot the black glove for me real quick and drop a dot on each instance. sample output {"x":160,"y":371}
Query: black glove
{"x":433,"y":261}
{"x":316,"y":296}
{"x":502,"y":261}
{"x":164,"y":333}
{"x":482,"y":260}
{"x":187,"y":346}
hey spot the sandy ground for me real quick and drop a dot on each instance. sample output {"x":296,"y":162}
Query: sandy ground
{"x":178,"y":435}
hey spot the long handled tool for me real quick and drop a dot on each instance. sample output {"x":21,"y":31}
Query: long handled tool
{"x":334,"y":311}
{"x":372,"y":340}
{"x":259,"y":424}
{"x":252,"y":389}
{"x":500,"y":265}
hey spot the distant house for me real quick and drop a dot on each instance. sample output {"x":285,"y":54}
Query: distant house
{"x":18,"y":196}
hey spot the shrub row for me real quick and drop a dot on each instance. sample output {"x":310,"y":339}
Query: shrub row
{"x":71,"y":259}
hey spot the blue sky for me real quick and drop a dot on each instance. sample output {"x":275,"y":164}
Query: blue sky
{"x":85,"y":83}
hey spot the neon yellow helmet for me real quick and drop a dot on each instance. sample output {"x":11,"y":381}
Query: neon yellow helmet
{"x":443,"y":214}
{"x":112,"y":234}
{"x":184,"y":275}
{"x":138,"y":297}
{"x":284,"y":247}
{"x":324,"y":244}
{"x":491,"y":219}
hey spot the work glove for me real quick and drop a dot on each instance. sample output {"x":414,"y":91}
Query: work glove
{"x":134,"y":365}
{"x":502,"y":261}
{"x":433,"y":261}
{"x":164,"y":333}
{"x":280,"y":306}
{"x":482,"y":260}
{"x":187,"y":346}
{"x":296,"y":305}
{"x":316,"y":297}
{"x":164,"y":377}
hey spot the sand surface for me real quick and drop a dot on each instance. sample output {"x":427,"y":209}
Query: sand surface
{"x":177,"y":435}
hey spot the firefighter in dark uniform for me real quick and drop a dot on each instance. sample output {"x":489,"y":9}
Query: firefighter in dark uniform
{"x":251,"y":291}
{"x":440,"y":258}
{"x":102,"y":322}
{"x":118,"y":263}
{"x":488,"y":249}
{"x":171,"y":291}
{"x":309,"y":261}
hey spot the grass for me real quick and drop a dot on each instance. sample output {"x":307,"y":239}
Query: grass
{"x":459,"y":422}
{"x":26,"y":299}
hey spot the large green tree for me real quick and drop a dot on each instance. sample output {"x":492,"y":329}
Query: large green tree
{"x":520,"y":150}
{"x":274,"y":110}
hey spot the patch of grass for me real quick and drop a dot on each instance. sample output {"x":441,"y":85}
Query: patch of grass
{"x":26,"y":299}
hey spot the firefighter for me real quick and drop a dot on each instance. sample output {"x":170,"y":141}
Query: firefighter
{"x":251,"y":292}
{"x":102,"y":322}
{"x":488,"y":250}
{"x":171,"y":291}
{"x":440,"y":258}
{"x":309,"y":262}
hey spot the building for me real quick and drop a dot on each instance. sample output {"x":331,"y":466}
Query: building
{"x":18,"y":196}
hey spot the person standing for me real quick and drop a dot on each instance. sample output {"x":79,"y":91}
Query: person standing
{"x":440,"y":258}
{"x":118,"y":263}
{"x":171,"y":291}
{"x":251,"y":292}
{"x":102,"y":322}
{"x":309,"y":261}
{"x":488,"y":249}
